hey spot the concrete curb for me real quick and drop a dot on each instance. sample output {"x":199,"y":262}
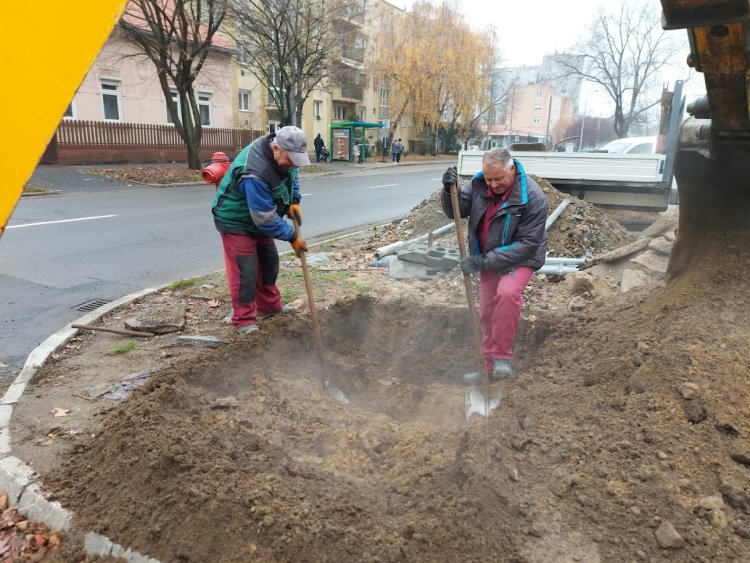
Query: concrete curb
{"x":19,"y":479}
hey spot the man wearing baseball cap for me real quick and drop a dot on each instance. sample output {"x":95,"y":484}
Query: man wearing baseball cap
{"x":259,"y":189}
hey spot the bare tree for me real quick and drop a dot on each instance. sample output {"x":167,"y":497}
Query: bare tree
{"x":290,"y":46}
{"x":177,"y":36}
{"x":625,"y":53}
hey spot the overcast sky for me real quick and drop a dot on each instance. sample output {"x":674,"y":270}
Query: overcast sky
{"x":529,"y":29}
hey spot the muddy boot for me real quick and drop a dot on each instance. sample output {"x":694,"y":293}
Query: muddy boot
{"x":501,"y":369}
{"x":228,"y":318}
{"x":285,"y":309}
{"x":247,"y":329}
{"x":474,"y":378}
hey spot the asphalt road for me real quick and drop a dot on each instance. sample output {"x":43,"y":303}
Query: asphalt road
{"x":101,"y":240}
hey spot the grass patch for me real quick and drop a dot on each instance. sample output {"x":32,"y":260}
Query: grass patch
{"x":123,"y":348}
{"x":291,"y":275}
{"x":359,"y":287}
{"x":187,"y":283}
{"x":331,"y":276}
{"x":289,"y":294}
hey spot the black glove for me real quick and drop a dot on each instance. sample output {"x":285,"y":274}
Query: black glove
{"x":450,"y":177}
{"x":471,"y":264}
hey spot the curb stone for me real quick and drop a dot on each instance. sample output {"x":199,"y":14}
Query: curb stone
{"x":20,"y":479}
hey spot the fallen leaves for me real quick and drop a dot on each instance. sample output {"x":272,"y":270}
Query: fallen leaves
{"x":22,"y":539}
{"x":57,"y":411}
{"x":213,"y":303}
{"x":150,"y":175}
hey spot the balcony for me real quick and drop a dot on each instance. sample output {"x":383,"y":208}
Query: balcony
{"x":352,"y":92}
{"x":354,"y":53}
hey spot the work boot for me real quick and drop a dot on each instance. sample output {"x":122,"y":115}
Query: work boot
{"x":247,"y":329}
{"x":228,"y":318}
{"x":474,"y":378}
{"x":285,"y":309}
{"x":501,"y":369}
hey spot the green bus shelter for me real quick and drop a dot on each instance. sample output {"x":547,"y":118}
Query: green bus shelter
{"x":346,"y":134}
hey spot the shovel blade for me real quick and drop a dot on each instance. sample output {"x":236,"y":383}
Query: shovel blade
{"x":476,"y":402}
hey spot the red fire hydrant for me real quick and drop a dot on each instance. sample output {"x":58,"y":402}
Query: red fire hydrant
{"x":214,"y":172}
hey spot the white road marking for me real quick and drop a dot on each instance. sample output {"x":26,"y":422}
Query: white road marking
{"x":303,"y":195}
{"x":381,"y":186}
{"x":60,"y":221}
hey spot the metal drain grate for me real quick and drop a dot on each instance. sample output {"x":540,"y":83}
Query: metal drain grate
{"x":90,"y":305}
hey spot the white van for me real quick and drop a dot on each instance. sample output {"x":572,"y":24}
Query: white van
{"x":631,"y":145}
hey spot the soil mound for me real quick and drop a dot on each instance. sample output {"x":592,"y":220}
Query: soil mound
{"x":582,"y":230}
{"x":624,"y":437}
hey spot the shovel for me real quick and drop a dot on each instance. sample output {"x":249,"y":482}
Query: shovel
{"x":334,"y":392}
{"x":478,"y":399}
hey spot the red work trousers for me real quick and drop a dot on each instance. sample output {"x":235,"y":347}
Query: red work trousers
{"x":252,"y":267}
{"x":500,"y":302}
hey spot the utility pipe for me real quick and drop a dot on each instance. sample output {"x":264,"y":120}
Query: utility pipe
{"x":557,"y":212}
{"x":556,"y":270}
{"x":564,"y":260}
{"x":394,"y":247}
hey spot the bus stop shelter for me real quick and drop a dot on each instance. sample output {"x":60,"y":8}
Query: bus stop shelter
{"x":345,"y":134}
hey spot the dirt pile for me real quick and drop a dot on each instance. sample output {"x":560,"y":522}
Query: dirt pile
{"x":625,"y":437}
{"x":582,"y":230}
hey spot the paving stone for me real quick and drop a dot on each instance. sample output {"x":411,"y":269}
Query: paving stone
{"x":661,"y":245}
{"x":97,"y":544}
{"x":652,"y":263}
{"x":159,"y":320}
{"x":15,"y":475}
{"x":437,"y":256}
{"x":200,"y":341}
{"x":634,"y":278}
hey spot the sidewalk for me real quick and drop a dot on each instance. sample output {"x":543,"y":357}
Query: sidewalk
{"x":76,"y":178}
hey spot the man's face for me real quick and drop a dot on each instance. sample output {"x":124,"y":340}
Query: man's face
{"x":498,"y":179}
{"x":282,"y":158}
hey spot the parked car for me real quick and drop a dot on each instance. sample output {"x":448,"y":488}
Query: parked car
{"x":631,"y":145}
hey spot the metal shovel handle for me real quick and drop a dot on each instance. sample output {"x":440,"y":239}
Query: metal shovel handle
{"x":476,"y":331}
{"x":313,"y":309}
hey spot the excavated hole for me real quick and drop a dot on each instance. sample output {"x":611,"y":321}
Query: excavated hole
{"x":397,"y":358}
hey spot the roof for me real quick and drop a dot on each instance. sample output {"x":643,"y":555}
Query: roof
{"x":364,"y":124}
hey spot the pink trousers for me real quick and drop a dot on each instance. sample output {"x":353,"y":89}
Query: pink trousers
{"x":500,"y":302}
{"x":252,"y":267}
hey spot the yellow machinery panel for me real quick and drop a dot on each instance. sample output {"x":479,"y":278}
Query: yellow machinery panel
{"x":46,"y":48}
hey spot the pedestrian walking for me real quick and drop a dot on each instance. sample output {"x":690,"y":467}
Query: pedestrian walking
{"x":507,"y":212}
{"x":319,"y":145}
{"x":259,"y":189}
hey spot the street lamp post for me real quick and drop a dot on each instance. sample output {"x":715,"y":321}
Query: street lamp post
{"x":549,"y":118}
{"x":583,"y":120}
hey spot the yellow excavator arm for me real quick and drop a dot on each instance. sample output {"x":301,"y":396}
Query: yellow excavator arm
{"x":712,"y":164}
{"x":47,"y":48}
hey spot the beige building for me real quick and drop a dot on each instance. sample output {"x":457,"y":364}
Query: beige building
{"x":122,"y":87}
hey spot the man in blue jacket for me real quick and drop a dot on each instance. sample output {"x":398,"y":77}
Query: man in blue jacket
{"x":507,"y":213}
{"x":259,"y":189}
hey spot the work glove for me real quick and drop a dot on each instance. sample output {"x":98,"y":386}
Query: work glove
{"x":471,"y":264}
{"x":295,"y":212}
{"x":450,"y":177}
{"x":298,"y":245}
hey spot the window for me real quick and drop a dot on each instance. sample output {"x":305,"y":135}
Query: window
{"x":340,"y":111}
{"x":538,"y":95}
{"x":362,"y":113}
{"x":537,"y":108}
{"x":70,"y":112}
{"x":204,"y":107}
{"x":111,"y":100}
{"x":242,"y":57}
{"x":535,"y":120}
{"x":176,"y":100}
{"x":244,"y":101}
{"x":383,"y":103}
{"x":317,"y":108}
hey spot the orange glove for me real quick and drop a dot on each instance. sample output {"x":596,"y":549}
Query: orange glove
{"x":295,"y":211}
{"x":298,"y":245}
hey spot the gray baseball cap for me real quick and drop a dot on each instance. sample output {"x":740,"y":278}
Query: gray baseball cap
{"x":293,"y":140}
